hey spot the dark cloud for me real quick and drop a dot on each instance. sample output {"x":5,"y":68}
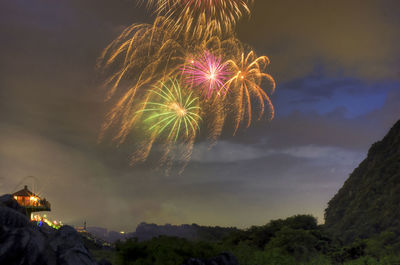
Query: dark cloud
{"x":357,"y":38}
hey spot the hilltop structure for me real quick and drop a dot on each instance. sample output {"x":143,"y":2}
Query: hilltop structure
{"x":31,"y":201}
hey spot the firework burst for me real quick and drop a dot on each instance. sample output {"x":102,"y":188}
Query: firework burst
{"x":160,"y":97}
{"x":171,"y":119}
{"x":195,"y":16}
{"x":172,"y":112}
{"x":206,"y":72}
{"x":246,"y":83}
{"x":141,"y":56}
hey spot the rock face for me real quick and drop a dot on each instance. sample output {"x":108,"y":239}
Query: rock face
{"x":369,"y":201}
{"x":24,"y":243}
{"x":223,"y":259}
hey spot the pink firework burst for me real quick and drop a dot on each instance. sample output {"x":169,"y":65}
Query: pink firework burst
{"x":208,"y":73}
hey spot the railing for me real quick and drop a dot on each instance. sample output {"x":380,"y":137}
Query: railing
{"x":38,"y":204}
{"x":45,"y":203}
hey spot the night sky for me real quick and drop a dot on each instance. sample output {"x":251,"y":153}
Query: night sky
{"x":337,"y":66}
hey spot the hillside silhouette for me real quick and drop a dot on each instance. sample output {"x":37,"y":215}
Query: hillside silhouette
{"x":369,"y":201}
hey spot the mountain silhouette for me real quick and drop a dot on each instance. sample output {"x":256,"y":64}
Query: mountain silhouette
{"x":369,"y":201}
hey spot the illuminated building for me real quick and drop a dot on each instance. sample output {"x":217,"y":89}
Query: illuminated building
{"x":31,"y":201}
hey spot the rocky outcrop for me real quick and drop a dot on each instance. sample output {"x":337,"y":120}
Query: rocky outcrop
{"x":223,"y":259}
{"x":24,"y":243}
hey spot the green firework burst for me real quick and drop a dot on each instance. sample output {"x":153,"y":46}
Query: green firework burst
{"x":172,"y":111}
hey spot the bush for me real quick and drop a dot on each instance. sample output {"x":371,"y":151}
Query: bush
{"x":299,"y":243}
{"x":163,"y":251}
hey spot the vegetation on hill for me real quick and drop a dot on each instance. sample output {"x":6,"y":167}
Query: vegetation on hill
{"x":369,"y":201}
{"x":297,"y":240}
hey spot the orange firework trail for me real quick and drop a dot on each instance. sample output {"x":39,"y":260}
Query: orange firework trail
{"x":246,"y":83}
{"x":139,"y":58}
{"x":165,"y":80}
{"x":196,"y":16}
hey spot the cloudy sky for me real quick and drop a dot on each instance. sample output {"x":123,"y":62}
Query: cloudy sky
{"x":337,"y":65}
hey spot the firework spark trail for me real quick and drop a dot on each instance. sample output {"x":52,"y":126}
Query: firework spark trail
{"x":195,"y":16}
{"x":142,"y":56}
{"x":171,"y":116}
{"x":206,"y":72}
{"x":172,"y":111}
{"x":246,"y":82}
{"x":185,"y":70}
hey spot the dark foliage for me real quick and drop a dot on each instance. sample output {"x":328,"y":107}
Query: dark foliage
{"x":297,"y":240}
{"x":351,"y":252}
{"x":259,"y":236}
{"x":163,"y":251}
{"x":369,"y":201}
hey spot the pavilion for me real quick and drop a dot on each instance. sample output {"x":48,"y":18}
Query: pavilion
{"x":31,"y":201}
